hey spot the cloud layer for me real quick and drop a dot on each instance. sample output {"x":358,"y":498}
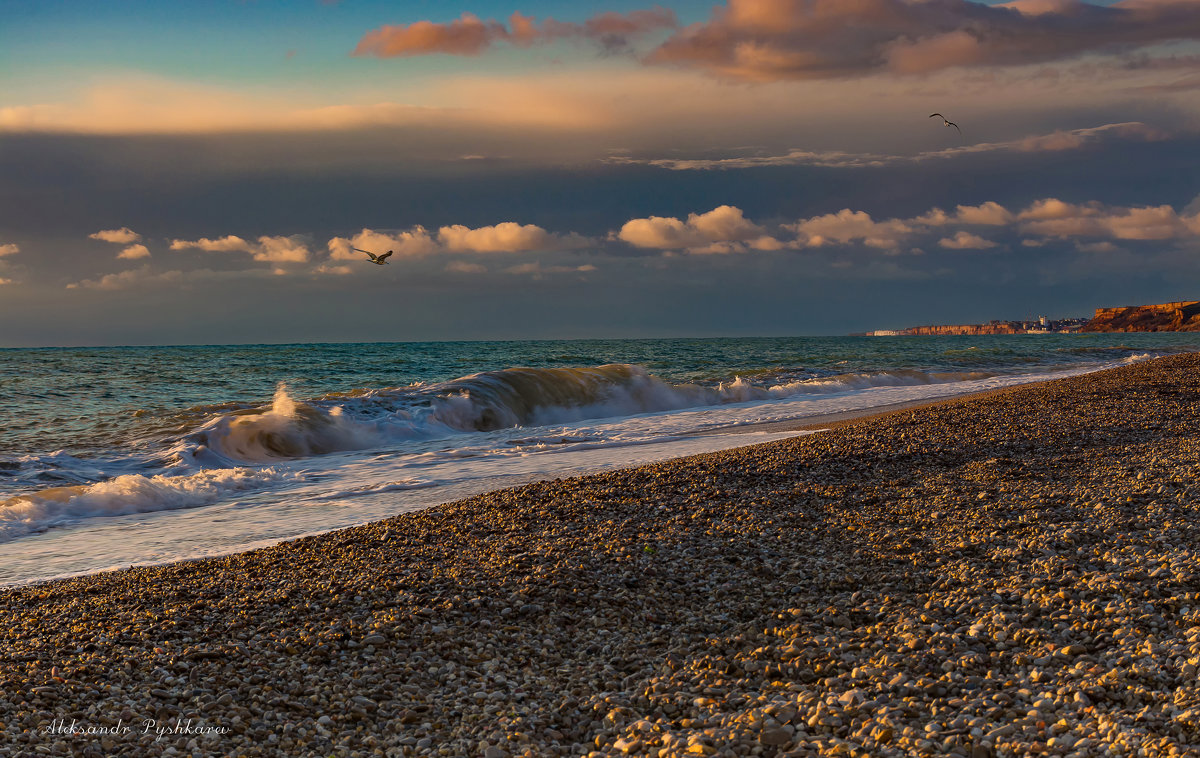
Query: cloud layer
{"x":471,"y":35}
{"x":768,"y":40}
{"x":1048,"y":223}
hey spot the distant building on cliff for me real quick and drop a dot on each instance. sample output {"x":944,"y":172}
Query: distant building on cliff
{"x":1042,"y":325}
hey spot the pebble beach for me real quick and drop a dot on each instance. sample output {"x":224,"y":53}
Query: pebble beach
{"x":1009,"y":575}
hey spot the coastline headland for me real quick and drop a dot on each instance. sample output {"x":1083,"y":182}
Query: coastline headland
{"x":1013,"y":574}
{"x":1179,"y":316}
{"x":1039,"y":326}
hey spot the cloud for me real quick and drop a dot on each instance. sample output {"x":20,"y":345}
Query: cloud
{"x":469,"y":35}
{"x":9,"y":248}
{"x":724,"y":229}
{"x":325,"y":268}
{"x":851,"y":226}
{"x":281,"y":250}
{"x":965,"y":241}
{"x":128,"y":279}
{"x":1054,"y":218}
{"x":122,"y":236}
{"x":5,"y":281}
{"x":769,"y":40}
{"x":417,"y":242}
{"x":462,"y":267}
{"x":508,"y":237}
{"x":1072,"y":139}
{"x":230,"y":244}
{"x":271,"y":249}
{"x":986,"y":214}
{"x":134,"y":252}
{"x":537,"y":270}
{"x":414,"y":243}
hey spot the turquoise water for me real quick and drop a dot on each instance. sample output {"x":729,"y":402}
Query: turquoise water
{"x":90,"y":400}
{"x":105,"y":445}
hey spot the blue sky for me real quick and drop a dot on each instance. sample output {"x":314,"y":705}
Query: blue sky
{"x":201,"y":172}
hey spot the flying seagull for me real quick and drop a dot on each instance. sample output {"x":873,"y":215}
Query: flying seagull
{"x":946,"y":121}
{"x":378,"y":260}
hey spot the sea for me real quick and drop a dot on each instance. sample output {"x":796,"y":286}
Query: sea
{"x":119,"y":456}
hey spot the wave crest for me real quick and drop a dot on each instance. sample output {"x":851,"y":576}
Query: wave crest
{"x":489,"y":401}
{"x":131,"y":493}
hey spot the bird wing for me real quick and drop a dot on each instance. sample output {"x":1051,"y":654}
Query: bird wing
{"x":385,"y":256}
{"x":931,"y":115}
{"x":951,"y":123}
{"x":368,"y":252}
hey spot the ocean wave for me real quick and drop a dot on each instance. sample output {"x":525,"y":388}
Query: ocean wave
{"x":489,"y":401}
{"x":130,"y":493}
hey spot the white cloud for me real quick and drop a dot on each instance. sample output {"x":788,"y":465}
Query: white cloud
{"x":122,"y":236}
{"x":9,"y":248}
{"x":134,"y":252}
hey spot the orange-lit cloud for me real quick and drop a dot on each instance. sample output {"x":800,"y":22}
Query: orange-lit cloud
{"x":986,"y":214}
{"x":133,"y":252}
{"x":417,"y":242}
{"x":470,"y":35}
{"x":1054,"y":218}
{"x":271,"y":249}
{"x":724,"y":229}
{"x":462,"y":267}
{"x":508,"y":237}
{"x":9,"y":248}
{"x":964,"y":240}
{"x":127,"y":279}
{"x":122,"y":236}
{"x":847,"y":226}
{"x":767,"y":40}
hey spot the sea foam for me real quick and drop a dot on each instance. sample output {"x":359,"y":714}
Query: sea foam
{"x":131,"y":493}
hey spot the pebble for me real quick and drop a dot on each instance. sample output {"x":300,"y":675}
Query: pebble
{"x":1015,"y":574}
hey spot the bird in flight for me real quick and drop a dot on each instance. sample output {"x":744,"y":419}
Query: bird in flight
{"x":378,"y":260}
{"x":945,"y":121}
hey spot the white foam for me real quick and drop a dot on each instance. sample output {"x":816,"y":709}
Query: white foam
{"x":131,"y":493}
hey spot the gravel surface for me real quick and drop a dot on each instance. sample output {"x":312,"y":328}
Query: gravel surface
{"x":1002,"y":576}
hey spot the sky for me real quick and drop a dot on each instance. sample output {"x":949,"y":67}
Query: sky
{"x":202,"y":172}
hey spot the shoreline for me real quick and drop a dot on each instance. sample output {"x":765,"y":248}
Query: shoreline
{"x":817,"y":422}
{"x":1010,"y":572}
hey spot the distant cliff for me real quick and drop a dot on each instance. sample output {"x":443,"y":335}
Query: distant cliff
{"x":1000,"y":327}
{"x":1165,"y":317}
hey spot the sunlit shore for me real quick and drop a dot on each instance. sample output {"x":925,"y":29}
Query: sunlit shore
{"x":1008,"y":575}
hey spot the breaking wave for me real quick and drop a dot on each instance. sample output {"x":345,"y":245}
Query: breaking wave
{"x":122,"y":495}
{"x":489,"y":401}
